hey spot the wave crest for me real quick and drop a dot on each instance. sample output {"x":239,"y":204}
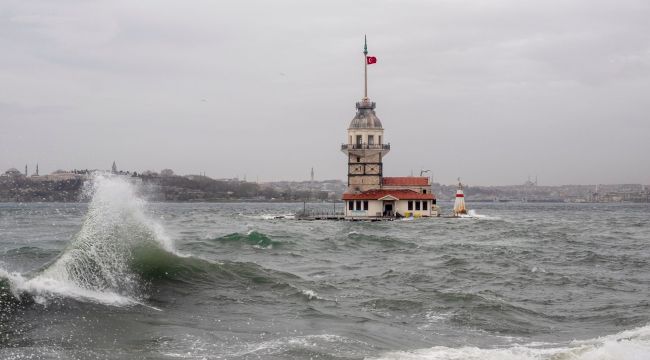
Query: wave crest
{"x":629,"y":344}
{"x":97,"y":263}
{"x":254,"y":238}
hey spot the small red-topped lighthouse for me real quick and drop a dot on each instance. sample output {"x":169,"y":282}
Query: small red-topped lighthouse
{"x":459,"y":203}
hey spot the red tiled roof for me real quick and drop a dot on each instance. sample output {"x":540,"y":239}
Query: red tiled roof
{"x":406,"y":181}
{"x":378,"y":194}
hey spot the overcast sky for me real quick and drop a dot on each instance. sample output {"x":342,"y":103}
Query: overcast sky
{"x":491,"y":91}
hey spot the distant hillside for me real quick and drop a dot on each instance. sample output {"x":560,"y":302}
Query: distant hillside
{"x":68,"y":187}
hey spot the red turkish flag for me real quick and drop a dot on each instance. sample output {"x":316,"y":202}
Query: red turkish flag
{"x":371,"y":60}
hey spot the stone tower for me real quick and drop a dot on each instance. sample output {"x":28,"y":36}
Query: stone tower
{"x":365,"y":148}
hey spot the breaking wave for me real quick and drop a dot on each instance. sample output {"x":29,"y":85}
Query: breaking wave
{"x":120,"y":253}
{"x":97,"y":264}
{"x":629,"y":344}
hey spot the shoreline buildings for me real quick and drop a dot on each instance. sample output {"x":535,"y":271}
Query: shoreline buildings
{"x":371,"y":195}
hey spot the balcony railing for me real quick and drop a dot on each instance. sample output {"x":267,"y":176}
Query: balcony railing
{"x":365,"y":147}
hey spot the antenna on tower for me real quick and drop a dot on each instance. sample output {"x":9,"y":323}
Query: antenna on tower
{"x":365,"y":69}
{"x":367,"y":60}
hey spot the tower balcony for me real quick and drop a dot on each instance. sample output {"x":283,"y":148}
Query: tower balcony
{"x":366,"y":104}
{"x":345,"y":147}
{"x":361,"y":149}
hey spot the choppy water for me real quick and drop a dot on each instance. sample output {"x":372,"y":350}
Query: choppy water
{"x":122,"y":278}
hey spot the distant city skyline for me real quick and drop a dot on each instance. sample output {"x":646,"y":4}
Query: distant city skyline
{"x":529,"y":181}
{"x":492,"y":92}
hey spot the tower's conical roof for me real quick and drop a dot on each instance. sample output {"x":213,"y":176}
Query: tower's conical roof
{"x":365,"y":117}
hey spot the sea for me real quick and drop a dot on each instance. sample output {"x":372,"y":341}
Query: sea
{"x":119,"y":277}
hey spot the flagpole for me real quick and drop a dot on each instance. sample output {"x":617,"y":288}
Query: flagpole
{"x":365,"y":69}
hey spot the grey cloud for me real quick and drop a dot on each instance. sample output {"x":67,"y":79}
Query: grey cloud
{"x":491,"y":91}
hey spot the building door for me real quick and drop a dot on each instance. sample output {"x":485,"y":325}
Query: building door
{"x":388,"y":209}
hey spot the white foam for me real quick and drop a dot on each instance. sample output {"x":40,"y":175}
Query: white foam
{"x":114,"y":199}
{"x":43,"y":289}
{"x":627,"y":345}
{"x":277,"y":217}
{"x":536,"y":269}
{"x":472,"y":214}
{"x":310,"y":294}
{"x":436,"y":316}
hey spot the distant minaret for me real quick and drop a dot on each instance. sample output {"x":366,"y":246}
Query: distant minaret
{"x":25,"y":169}
{"x":312,"y":174}
{"x":114,"y":168}
{"x":36,"y":169}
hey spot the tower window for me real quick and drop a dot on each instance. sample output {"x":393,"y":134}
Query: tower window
{"x":417,"y":205}
{"x":425,"y":205}
{"x":358,"y":205}
{"x":410,"y":205}
{"x":358,"y":158}
{"x":371,"y":139}
{"x":424,"y":191}
{"x":359,"y":139}
{"x":379,"y":139}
